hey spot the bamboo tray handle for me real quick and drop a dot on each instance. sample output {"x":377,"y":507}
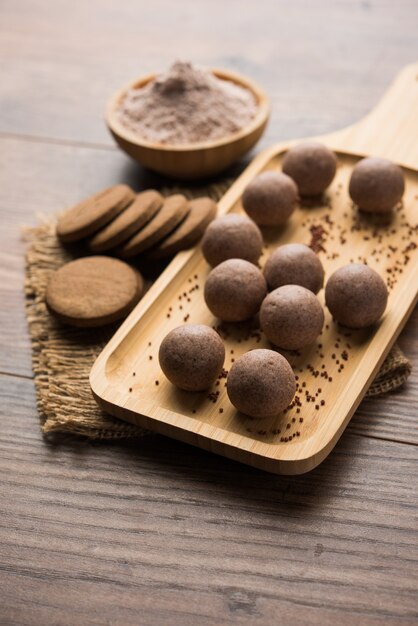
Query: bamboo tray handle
{"x":390,"y":130}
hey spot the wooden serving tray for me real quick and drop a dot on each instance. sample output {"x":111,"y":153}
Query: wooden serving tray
{"x":334,"y":374}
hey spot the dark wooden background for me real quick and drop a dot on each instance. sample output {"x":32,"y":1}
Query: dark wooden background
{"x":156,"y":532}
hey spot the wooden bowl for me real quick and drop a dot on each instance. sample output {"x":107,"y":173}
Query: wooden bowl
{"x":193,"y":160}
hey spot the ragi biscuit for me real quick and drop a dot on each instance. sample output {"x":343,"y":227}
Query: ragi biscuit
{"x":201,"y":212}
{"x":173,"y":211}
{"x":127,"y":223}
{"x":93,"y":291}
{"x":86,"y":217}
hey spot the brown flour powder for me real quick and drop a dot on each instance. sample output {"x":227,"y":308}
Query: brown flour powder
{"x":187,"y":105}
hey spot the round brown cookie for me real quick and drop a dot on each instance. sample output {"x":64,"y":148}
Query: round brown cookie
{"x":87,"y":216}
{"x":174,"y":209}
{"x":142,"y":209}
{"x":190,"y":230}
{"x":93,"y":291}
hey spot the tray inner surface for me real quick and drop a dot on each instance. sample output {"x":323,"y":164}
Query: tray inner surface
{"x":329,"y":371}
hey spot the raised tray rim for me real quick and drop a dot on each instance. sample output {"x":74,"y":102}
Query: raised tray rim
{"x":200,"y":431}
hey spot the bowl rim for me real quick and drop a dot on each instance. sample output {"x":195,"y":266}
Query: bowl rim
{"x":261,"y":117}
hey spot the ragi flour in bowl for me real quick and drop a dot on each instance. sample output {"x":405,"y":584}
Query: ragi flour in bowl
{"x":187,"y":105}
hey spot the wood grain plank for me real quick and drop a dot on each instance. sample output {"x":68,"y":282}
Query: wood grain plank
{"x":188,"y":537}
{"x":55,"y":84}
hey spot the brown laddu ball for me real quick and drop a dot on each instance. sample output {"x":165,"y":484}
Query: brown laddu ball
{"x":261,"y":383}
{"x":291,"y":317}
{"x":311,"y":165}
{"x":234,"y":290}
{"x":294,"y":264}
{"x":192,"y":356}
{"x":356,"y":296}
{"x":270,"y":198}
{"x":232,"y":236}
{"x":376,"y":185}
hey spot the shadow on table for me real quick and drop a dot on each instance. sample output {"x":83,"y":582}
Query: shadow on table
{"x":139,"y":177}
{"x":209,"y":476}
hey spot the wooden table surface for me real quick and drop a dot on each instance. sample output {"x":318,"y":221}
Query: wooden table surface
{"x":155,"y":532}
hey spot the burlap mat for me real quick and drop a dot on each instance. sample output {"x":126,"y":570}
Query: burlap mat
{"x":63,"y":356}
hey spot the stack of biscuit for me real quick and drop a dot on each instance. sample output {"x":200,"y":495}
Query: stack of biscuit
{"x":119,"y":222}
{"x":97,"y":290}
